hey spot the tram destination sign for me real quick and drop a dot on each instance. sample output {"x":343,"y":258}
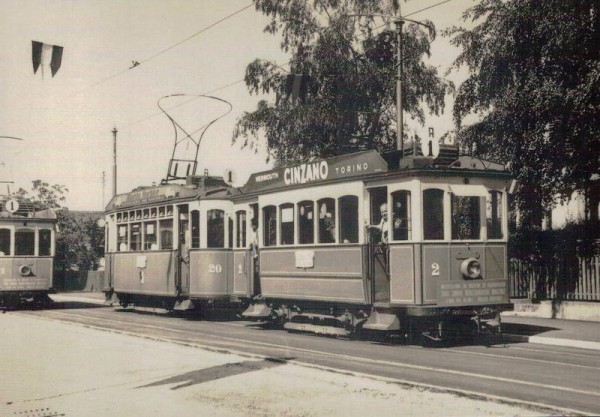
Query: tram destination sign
{"x":324,"y":170}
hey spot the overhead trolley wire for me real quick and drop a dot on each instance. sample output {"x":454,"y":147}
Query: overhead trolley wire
{"x":138,"y":63}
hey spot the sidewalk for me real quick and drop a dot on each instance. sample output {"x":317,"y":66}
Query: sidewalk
{"x":515,"y":327}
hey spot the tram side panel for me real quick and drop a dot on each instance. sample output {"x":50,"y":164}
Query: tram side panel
{"x":211,"y":274}
{"x":243,"y":274}
{"x":147,"y":273}
{"x":320,"y":274}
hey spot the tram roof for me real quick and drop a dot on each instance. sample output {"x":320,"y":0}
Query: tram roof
{"x":204,"y":187}
{"x":26,"y":211}
{"x":370,"y":165}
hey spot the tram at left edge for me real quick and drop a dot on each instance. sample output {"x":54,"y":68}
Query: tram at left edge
{"x":27,"y":248}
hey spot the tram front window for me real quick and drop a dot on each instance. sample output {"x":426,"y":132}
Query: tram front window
{"x":433,"y":214}
{"x":150,"y":236}
{"x":401,"y":215}
{"x":240,"y":217}
{"x":166,"y":234}
{"x":4,"y":242}
{"x":123,"y":238}
{"x":494,"y":215}
{"x":45,"y":243}
{"x":136,"y":236}
{"x":24,"y":242}
{"x":465,"y":218}
{"x":215,"y":224}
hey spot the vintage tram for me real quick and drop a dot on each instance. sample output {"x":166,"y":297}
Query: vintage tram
{"x":27,"y":236}
{"x":363,"y":242}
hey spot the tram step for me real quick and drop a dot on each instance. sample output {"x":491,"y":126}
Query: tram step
{"x":382,"y":321}
{"x":317,"y":329}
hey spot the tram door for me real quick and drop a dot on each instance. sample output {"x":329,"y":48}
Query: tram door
{"x":183,"y":266}
{"x":378,"y":245}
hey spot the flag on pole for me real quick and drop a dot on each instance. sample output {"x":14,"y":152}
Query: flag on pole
{"x":46,"y":55}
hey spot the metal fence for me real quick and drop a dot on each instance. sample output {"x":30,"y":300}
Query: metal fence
{"x":562,"y":279}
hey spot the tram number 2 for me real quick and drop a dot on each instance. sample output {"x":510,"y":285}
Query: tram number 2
{"x":215,"y":268}
{"x":435,"y":269}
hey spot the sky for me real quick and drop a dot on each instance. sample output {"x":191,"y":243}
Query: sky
{"x":66,"y":121}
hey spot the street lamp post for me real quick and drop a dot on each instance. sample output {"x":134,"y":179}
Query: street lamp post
{"x":114,"y":132}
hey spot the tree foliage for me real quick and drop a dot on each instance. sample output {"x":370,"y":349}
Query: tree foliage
{"x":351,"y":85}
{"x":534,"y":82}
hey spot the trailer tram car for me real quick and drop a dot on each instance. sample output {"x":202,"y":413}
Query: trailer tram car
{"x":377,"y":243}
{"x":27,"y":236}
{"x":169,"y":245}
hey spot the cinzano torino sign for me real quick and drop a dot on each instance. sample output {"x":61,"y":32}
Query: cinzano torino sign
{"x":346,"y":166}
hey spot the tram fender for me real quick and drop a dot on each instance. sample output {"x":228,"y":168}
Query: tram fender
{"x":183,"y":305}
{"x":257,"y":310}
{"x":382,"y":321}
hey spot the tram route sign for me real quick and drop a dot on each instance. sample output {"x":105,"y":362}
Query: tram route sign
{"x":12,"y":206}
{"x":324,"y":170}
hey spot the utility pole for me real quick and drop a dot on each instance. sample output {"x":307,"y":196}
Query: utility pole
{"x":103,"y":187}
{"x":399,"y":113}
{"x":114,"y":132}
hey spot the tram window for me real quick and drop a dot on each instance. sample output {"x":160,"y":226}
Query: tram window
{"x":401,"y":215}
{"x":123,"y":238}
{"x":45,"y":242}
{"x":494,"y":215}
{"x":348,"y":219}
{"x":215,"y":227}
{"x":270,"y":225}
{"x":165,"y":229}
{"x":240,"y":220}
{"x":150,"y":236}
{"x":24,"y":242}
{"x":326,"y":220}
{"x":287,"y":223}
{"x":306,"y":222}
{"x":195,"y":229}
{"x":136,"y":236}
{"x":4,"y":242}
{"x":433,"y":214}
{"x":465,"y":217}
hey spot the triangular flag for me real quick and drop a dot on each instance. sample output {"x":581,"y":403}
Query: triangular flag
{"x":46,"y":55}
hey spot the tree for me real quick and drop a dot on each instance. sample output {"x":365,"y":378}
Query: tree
{"x":346,"y":75}
{"x":534,"y":81}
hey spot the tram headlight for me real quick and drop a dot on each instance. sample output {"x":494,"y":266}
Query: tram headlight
{"x":471,"y":268}
{"x":25,"y":270}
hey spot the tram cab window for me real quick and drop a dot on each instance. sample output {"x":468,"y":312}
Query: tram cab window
{"x":466,"y":222}
{"x":401,"y":209}
{"x":150,"y":236}
{"x":122,"y":238}
{"x":229,"y":232}
{"x":165,"y":230}
{"x":24,"y":242}
{"x":494,"y":215}
{"x":270,"y":226}
{"x":136,"y":237}
{"x":326,"y":220}
{"x":5,"y":242}
{"x":433,"y":214}
{"x":306,"y":222}
{"x":215,"y":228}
{"x":45,"y":242}
{"x":195,"y":214}
{"x":240,"y":221}
{"x":286,"y":211}
{"x":348,"y":219}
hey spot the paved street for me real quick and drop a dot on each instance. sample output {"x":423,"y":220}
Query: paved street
{"x":68,"y":360}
